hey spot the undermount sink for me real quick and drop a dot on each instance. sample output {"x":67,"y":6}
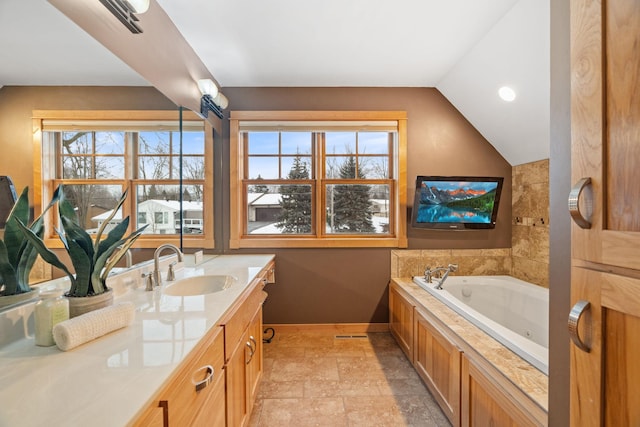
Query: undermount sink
{"x":199,"y":285}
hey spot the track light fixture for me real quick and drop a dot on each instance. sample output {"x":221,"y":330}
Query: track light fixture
{"x":212,"y":99}
{"x":125,"y":11}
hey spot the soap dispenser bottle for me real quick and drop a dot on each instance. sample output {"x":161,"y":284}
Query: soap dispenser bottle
{"x":52,"y":308}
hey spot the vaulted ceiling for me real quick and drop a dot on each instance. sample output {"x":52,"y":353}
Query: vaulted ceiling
{"x":467,"y":49}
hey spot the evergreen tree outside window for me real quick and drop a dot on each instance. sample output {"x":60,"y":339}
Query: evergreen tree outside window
{"x":295,"y":202}
{"x":352,"y":209}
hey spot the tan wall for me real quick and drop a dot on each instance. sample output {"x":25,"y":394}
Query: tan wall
{"x":530,"y":224}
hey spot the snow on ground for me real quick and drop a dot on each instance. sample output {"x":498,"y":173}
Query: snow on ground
{"x":378,"y":223}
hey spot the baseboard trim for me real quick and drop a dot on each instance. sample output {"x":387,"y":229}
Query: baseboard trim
{"x":339,"y":328}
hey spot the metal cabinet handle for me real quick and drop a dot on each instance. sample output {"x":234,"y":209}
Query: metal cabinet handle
{"x":578,"y":310}
{"x":252,"y":352}
{"x":255,"y":344}
{"x":582,"y":220}
{"x":207,"y":380}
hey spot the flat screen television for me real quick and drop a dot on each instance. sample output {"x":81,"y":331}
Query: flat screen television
{"x":456,"y":202}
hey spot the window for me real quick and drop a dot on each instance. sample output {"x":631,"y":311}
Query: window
{"x":96,"y":155}
{"x":318,"y":179}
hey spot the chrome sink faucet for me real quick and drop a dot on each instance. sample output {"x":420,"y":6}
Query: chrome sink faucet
{"x":156,"y":261}
{"x":429,"y":274}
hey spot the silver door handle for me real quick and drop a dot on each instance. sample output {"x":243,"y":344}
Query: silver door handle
{"x":207,"y":380}
{"x":582,"y":219}
{"x":577,"y":311}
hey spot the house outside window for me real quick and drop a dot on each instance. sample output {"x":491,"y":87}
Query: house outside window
{"x":96,"y":155}
{"x":318,"y":179}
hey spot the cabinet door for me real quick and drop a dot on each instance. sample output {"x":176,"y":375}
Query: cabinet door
{"x":244,"y":369}
{"x":605,"y":104}
{"x":254,"y":363}
{"x":437,"y":361}
{"x":605,"y":372}
{"x":212,"y":413}
{"x":401,"y":319}
{"x":605,"y":128}
{"x":484,"y":404}
{"x":236,"y":380}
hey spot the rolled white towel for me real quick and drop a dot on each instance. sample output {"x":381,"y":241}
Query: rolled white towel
{"x":79,"y":330}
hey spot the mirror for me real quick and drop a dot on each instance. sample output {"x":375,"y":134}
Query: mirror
{"x":42,"y":88}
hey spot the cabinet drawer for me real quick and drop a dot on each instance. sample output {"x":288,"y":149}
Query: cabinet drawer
{"x":236,"y":325}
{"x":213,"y":411}
{"x":204,"y":368}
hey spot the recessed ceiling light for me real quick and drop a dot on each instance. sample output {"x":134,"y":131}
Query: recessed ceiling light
{"x":506,"y":93}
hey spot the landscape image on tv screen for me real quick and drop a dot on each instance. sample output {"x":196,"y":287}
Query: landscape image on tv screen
{"x":456,"y":202}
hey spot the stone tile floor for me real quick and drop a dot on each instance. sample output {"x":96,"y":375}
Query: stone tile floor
{"x":316,"y":379}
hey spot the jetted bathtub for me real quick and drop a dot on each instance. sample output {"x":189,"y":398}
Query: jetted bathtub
{"x":512,"y":311}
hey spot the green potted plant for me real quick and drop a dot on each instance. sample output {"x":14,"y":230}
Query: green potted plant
{"x":17,"y":254}
{"x":92,"y":259}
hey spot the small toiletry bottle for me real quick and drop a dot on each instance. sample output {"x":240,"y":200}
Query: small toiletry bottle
{"x":52,"y":308}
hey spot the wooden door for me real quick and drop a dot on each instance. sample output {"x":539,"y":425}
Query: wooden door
{"x":605,"y":281}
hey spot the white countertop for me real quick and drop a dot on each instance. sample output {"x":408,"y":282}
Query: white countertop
{"x":106,"y":382}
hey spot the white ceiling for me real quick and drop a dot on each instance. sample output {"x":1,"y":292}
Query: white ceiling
{"x":465,"y":48}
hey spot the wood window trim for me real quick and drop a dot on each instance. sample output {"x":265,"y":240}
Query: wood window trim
{"x":43,"y":192}
{"x":237,"y":155}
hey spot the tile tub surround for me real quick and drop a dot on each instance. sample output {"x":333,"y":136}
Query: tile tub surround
{"x":471,"y":262}
{"x":530,"y":223}
{"x":107,"y":382}
{"x":316,"y":379}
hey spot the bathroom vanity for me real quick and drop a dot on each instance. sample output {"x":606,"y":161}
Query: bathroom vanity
{"x":186,"y":359}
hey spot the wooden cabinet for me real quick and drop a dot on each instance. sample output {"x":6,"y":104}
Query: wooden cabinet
{"x":485,"y":404}
{"x":437,"y":361}
{"x":401,"y":319}
{"x":198,"y":380}
{"x":605,"y":275}
{"x":243,"y":374}
{"x":155,"y":415}
{"x":213,"y":410}
{"x":216,"y":385}
{"x":255,"y":357}
{"x":243,"y":353}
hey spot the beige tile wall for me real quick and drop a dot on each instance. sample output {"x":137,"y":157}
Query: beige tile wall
{"x":530,"y":222}
{"x":471,"y":262}
{"x":528,"y":257}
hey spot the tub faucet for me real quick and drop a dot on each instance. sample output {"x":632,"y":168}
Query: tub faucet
{"x":451,"y":268}
{"x":156,"y":260}
{"x":430,"y":274}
